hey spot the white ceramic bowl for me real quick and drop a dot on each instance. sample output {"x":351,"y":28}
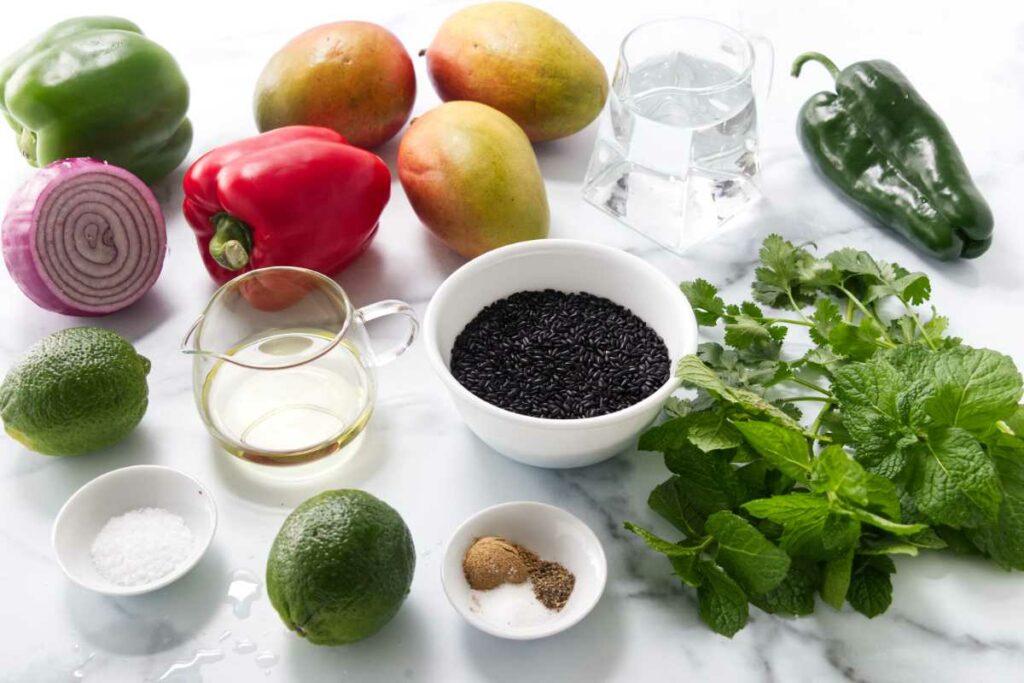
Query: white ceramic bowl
{"x":570,"y":266}
{"x":120,"y":491}
{"x":554,"y":535}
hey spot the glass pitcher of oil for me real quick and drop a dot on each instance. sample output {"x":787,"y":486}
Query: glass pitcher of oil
{"x":283,"y":367}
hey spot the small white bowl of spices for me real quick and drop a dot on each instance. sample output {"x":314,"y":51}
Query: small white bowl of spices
{"x":134,"y":530}
{"x":523,"y":570}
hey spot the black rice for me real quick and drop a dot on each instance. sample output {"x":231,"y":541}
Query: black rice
{"x":559,"y":355}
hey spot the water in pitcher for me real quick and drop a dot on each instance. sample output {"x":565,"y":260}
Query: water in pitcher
{"x":678,"y":156}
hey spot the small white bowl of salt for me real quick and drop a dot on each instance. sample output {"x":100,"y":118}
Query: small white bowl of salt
{"x":134,"y":530}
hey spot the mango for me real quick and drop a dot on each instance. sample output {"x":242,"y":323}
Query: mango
{"x":521,"y":61}
{"x":352,"y":76}
{"x":472,"y":178}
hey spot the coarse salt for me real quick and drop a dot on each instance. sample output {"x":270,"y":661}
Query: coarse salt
{"x":141,"y":546}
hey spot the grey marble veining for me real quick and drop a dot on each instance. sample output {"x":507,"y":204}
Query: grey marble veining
{"x":952,"y":619}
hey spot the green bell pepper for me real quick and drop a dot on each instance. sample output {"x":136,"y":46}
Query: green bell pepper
{"x":881,"y":145}
{"x":96,"y":87}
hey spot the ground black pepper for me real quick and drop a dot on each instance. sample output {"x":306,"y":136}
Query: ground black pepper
{"x":559,"y":355}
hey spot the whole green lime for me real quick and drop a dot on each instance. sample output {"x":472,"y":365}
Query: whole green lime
{"x":340,"y":567}
{"x":75,"y":391}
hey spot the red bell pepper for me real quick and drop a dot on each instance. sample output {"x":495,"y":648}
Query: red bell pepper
{"x":294,"y":196}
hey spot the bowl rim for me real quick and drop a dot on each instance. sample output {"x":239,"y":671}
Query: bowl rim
{"x":556,"y":625}
{"x":534,"y":246}
{"x":111,"y":588}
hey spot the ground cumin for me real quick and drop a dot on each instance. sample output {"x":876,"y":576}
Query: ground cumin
{"x":492,"y":561}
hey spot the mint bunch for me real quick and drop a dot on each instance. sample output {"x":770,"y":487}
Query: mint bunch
{"x":917,"y":441}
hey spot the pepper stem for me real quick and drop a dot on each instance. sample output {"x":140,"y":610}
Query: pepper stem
{"x":231,"y":242}
{"x":814,"y":57}
{"x":27,"y":145}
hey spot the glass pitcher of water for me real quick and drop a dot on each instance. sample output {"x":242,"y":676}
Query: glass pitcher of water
{"x":283,"y":368}
{"x":677,"y":155}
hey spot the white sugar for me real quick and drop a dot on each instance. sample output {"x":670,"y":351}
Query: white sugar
{"x":141,"y":546}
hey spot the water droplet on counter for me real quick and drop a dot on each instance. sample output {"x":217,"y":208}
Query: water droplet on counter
{"x":244,"y":589}
{"x":79,"y":673}
{"x":185,"y":667}
{"x":266,"y":661}
{"x":244,"y":646}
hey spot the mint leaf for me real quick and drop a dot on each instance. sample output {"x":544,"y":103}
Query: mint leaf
{"x":954,"y":482}
{"x":743,"y":551}
{"x":687,"y":568}
{"x":707,"y":481}
{"x":884,"y":524}
{"x":794,"y":596}
{"x":867,"y":393}
{"x":975,"y":388}
{"x":709,"y":430}
{"x":707,"y":306}
{"x":811,"y":528}
{"x":837,"y":580}
{"x":1003,"y":540}
{"x":783,"y":448}
{"x":669,"y":499}
{"x":836,"y":472}
{"x":661,"y":545}
{"x":870,"y":585}
{"x":669,"y":435}
{"x":694,"y":373}
{"x":712,"y":431}
{"x":722,"y":603}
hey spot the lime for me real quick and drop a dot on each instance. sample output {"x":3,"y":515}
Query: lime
{"x":340,"y":567}
{"x":75,"y":391}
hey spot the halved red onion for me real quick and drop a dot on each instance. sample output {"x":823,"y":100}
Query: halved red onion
{"x":82,"y":237}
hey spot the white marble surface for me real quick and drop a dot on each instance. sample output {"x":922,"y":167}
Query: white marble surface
{"x":951,"y":620}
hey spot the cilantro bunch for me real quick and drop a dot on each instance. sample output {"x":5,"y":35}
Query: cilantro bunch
{"x":916,"y":441}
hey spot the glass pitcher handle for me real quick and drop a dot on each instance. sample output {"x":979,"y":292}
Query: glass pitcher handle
{"x":386,"y":308}
{"x":764,"y":65}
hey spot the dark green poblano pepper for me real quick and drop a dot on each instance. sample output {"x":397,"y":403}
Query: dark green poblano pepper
{"x":96,"y":87}
{"x":882,"y":146}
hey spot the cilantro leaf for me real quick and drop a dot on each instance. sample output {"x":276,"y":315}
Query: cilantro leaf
{"x":789,"y":273}
{"x":743,"y":551}
{"x":858,"y":342}
{"x":954,"y":482}
{"x":722,"y":603}
{"x":707,"y":306}
{"x":825,"y":318}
